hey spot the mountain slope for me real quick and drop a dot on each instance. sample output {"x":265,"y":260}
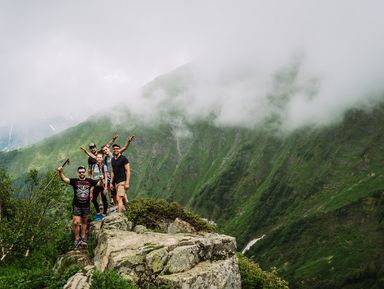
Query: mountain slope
{"x":316,"y":193}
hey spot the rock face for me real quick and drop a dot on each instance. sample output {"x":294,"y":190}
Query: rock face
{"x":180,"y":260}
{"x":80,"y":280}
{"x":180,"y":226}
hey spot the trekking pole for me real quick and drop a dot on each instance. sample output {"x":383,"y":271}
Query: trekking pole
{"x":51,"y":180}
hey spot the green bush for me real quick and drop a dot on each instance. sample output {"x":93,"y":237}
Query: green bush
{"x":110,"y":280}
{"x":252,"y":277}
{"x":92,"y":243}
{"x":59,"y":279}
{"x":151,"y":212}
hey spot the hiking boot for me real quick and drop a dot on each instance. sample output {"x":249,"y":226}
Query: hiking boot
{"x":83,"y":243}
{"x":76,"y":244}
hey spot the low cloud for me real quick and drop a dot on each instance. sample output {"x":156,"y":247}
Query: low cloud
{"x":250,"y":62}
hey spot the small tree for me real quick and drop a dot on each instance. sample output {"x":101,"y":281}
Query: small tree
{"x":34,"y":217}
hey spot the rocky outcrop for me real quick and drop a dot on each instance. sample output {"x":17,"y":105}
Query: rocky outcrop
{"x":81,"y":280}
{"x":179,"y":260}
{"x":180,"y":226}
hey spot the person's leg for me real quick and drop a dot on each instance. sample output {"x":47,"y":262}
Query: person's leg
{"x":120,"y":197}
{"x":94,"y":200}
{"x":76,"y":227}
{"x":84,"y":221}
{"x":120,"y":204}
{"x":125,"y":199}
{"x":110,"y":195}
{"x":105,"y":202}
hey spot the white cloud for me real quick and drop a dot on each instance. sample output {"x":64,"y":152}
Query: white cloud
{"x":77,"y":58}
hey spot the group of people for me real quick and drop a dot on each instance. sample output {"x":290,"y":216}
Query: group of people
{"x":108,"y":174}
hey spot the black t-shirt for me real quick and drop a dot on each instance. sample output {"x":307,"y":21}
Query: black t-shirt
{"x":81,"y":190}
{"x":118,"y":168}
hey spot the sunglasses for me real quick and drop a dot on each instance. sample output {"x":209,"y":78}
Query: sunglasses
{"x":81,"y":172}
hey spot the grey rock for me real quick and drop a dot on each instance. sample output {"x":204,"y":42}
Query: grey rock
{"x":77,"y":281}
{"x":223,"y":274}
{"x":117,"y":221}
{"x":81,"y":280}
{"x":71,"y":257}
{"x":183,"y":258}
{"x":180,"y":226}
{"x":140,"y":229}
{"x":156,"y":260}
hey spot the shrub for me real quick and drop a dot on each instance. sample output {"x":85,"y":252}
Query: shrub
{"x":110,"y":280}
{"x":252,"y":277}
{"x":59,"y":279}
{"x":151,"y":212}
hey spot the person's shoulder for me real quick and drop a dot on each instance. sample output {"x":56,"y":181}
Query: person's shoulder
{"x":72,"y":180}
{"x":125,"y":159}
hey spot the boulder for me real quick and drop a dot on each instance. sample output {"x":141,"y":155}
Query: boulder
{"x":180,"y":226}
{"x":80,"y":280}
{"x":213,"y":275}
{"x":140,"y":229}
{"x":181,"y":260}
{"x":116,"y":221}
{"x":78,"y":257}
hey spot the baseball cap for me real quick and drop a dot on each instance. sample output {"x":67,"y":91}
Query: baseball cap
{"x":92,"y":145}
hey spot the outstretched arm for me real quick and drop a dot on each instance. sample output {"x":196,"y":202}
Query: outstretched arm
{"x":88,"y":153}
{"x":61,"y":174}
{"x":130,"y":139}
{"x":115,"y":136}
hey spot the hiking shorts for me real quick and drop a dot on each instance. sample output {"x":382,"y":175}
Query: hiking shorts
{"x":80,"y":212}
{"x":121,"y":192}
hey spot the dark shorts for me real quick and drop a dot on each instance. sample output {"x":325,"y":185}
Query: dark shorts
{"x":80,"y":212}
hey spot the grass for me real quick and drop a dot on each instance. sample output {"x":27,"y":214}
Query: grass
{"x":152,"y":212}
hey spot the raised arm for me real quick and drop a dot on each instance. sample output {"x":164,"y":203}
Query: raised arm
{"x":88,"y":153}
{"x":130,"y":139}
{"x":109,"y":143}
{"x":61,"y":174}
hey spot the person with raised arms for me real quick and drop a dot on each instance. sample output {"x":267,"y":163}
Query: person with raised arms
{"x":100,"y":172}
{"x":107,"y":160}
{"x":120,"y":177}
{"x":81,"y":202}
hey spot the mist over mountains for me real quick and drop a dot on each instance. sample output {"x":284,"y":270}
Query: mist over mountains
{"x":21,"y":134}
{"x":331,"y":51}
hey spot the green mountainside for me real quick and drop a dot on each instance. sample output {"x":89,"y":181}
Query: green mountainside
{"x":316,"y":193}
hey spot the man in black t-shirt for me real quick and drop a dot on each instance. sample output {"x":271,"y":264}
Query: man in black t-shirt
{"x":81,"y":202}
{"x":120,"y":175}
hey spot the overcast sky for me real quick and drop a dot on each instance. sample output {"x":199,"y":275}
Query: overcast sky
{"x":74,"y":58}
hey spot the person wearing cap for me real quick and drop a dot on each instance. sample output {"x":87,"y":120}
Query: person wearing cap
{"x":107,"y":160}
{"x":81,"y":202}
{"x":93,"y":150}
